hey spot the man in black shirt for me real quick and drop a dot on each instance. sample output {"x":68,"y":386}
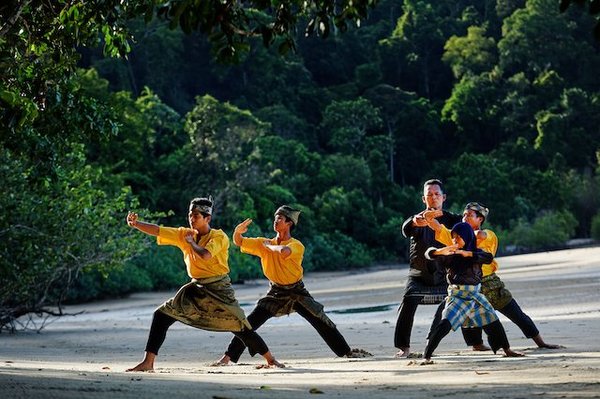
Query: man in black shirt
{"x":426,"y":282}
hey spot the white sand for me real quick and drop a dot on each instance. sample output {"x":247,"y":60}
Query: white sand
{"x":86,"y":355}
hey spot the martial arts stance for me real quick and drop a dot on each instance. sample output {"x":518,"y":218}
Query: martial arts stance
{"x":465,"y":305}
{"x":491,"y":286}
{"x":208,"y":301}
{"x":281,"y":260}
{"x":426,"y":283}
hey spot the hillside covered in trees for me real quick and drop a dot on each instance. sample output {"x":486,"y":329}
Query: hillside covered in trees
{"x":500,"y":99}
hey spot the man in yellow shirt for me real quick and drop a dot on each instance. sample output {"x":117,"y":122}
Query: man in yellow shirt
{"x":491,"y":286}
{"x":208,"y":301}
{"x":281,"y":260}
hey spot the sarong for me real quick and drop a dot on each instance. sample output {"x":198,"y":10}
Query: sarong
{"x":467,"y":307}
{"x":280,"y":301}
{"x":494,"y":290}
{"x":208,"y":304}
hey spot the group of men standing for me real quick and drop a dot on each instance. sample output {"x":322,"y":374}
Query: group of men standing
{"x":208,"y":300}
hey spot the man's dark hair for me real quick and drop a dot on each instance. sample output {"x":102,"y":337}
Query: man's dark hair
{"x":432,"y":182}
{"x":202,"y":203}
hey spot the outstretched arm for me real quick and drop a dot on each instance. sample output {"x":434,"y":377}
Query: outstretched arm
{"x":148,"y":228}
{"x":239,"y":230}
{"x":433,"y":252}
{"x":479,"y":255}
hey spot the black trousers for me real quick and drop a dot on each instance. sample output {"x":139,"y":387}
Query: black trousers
{"x":161,"y":323}
{"x":495,"y":332}
{"x":259,"y":316}
{"x":408,"y":307}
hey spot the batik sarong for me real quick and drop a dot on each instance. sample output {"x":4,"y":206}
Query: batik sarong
{"x":494,"y":290}
{"x":209,"y":304}
{"x":281,"y":299}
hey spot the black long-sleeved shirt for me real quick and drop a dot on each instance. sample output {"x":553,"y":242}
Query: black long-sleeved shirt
{"x":421,"y":238}
{"x":462,"y":270}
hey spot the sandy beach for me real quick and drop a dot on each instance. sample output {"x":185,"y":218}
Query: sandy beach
{"x":84,"y":356}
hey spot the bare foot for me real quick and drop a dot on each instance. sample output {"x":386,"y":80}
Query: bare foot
{"x":271,"y":364}
{"x":481,"y":348}
{"x":550,"y":346}
{"x":541,"y":344}
{"x":147,"y":364}
{"x":403,"y":352}
{"x":223,"y":361}
{"x":271,"y":361}
{"x":512,"y":353}
{"x":356,"y":353}
{"x":143,"y":366}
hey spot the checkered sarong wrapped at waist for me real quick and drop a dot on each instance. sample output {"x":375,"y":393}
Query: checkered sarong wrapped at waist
{"x":466,"y":306}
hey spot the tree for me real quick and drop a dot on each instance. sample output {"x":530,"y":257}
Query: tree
{"x":562,"y":129}
{"x":55,"y":225}
{"x":407,"y":118}
{"x":412,"y":54}
{"x":229,"y":24}
{"x":38,"y":41}
{"x":537,"y":38}
{"x":594,"y":9}
{"x":473,"y":108}
{"x":346,"y":124}
{"x":472,"y":54}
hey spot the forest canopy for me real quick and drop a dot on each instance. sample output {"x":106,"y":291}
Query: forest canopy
{"x":109,"y":106}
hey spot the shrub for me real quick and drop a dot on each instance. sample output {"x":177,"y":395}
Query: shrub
{"x":549,"y":230}
{"x":335,"y":251}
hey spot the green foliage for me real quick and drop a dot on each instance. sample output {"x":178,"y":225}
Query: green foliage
{"x":336,"y":251}
{"x":162,"y":267}
{"x":472,"y":54}
{"x":56,"y":225}
{"x":38,"y":42}
{"x":345,"y":124}
{"x":228,"y":25}
{"x":574,"y":120}
{"x":549,"y":230}
{"x":537,"y":36}
{"x":243,"y":267}
{"x":492,"y":180}
{"x":497,"y":98}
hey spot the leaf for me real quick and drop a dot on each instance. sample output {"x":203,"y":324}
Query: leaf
{"x":315,"y":391}
{"x":595,"y":7}
{"x":564,"y":4}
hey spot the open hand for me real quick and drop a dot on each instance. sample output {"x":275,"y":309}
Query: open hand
{"x":449,"y":250}
{"x":243,"y":227}
{"x":132,"y":219}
